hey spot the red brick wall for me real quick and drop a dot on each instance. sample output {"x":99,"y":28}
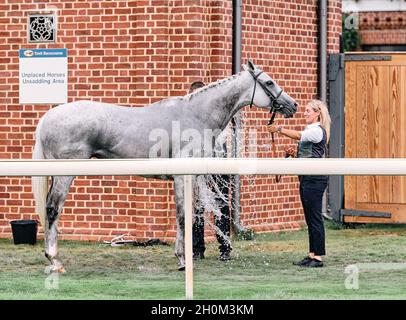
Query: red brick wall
{"x":137,"y":52}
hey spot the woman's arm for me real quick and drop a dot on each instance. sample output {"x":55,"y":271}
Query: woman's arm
{"x":293,"y":134}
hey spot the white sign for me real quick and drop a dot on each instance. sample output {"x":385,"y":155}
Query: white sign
{"x":43,"y":76}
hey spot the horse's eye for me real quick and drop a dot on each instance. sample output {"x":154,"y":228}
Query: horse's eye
{"x":269,"y":83}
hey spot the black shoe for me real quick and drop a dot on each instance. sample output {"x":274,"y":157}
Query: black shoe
{"x":303,"y":262}
{"x":198,"y":255}
{"x":225,"y":256}
{"x":314,"y":263}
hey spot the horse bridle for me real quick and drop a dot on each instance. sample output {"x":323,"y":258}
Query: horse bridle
{"x":274,"y":98}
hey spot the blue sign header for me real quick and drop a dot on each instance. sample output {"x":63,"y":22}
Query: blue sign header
{"x":43,"y":53}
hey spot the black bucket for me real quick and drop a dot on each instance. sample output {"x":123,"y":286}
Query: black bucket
{"x":24,"y":231}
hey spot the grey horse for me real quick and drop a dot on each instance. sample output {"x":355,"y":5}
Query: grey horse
{"x":86,"y":129}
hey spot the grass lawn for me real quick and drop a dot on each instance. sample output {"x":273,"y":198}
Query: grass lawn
{"x":260,"y":269}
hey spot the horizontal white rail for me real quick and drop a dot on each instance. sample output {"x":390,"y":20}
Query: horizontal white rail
{"x":192,"y":166}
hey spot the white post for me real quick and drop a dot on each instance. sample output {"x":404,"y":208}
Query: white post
{"x":188,"y":236}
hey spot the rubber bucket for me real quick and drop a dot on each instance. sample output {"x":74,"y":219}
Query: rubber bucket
{"x":24,"y":231}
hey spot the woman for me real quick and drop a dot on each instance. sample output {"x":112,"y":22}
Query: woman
{"x":312,"y":144}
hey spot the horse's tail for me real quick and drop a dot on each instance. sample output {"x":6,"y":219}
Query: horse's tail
{"x":39,"y":184}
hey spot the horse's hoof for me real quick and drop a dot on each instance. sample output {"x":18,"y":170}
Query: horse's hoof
{"x":181,"y":268}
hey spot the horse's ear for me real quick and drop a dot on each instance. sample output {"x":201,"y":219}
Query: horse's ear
{"x":251,"y":65}
{"x":244,"y":67}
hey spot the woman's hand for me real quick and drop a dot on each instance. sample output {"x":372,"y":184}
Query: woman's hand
{"x":293,"y":134}
{"x":273,"y":128}
{"x":290,"y":152}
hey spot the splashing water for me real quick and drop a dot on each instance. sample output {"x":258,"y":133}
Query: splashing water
{"x":212,"y":193}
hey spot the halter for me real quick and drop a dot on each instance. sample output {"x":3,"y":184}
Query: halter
{"x":269,"y":93}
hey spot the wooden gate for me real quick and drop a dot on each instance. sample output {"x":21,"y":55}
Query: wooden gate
{"x":375,"y":127}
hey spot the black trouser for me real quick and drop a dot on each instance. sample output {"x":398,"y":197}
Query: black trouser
{"x":222,"y":222}
{"x":311,"y":195}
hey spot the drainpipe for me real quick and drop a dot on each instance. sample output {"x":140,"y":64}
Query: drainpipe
{"x":236,"y":121}
{"x":323,"y":49}
{"x":323,"y":70}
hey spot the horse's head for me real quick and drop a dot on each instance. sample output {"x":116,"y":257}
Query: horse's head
{"x":268,"y":94}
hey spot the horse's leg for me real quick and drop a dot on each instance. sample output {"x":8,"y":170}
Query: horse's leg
{"x":55,"y":200}
{"x":180,"y":221}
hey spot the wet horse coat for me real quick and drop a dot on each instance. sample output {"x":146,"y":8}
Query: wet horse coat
{"x":85,"y":129}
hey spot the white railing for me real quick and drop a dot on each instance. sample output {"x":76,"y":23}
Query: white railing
{"x":194,"y":166}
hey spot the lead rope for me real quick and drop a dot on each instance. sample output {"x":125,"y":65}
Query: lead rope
{"x":278,"y":177}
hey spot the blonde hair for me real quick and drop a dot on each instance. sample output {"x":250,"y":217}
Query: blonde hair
{"x":325,"y":120}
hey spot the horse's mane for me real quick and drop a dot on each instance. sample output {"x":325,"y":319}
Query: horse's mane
{"x":199,"y":91}
{"x":212,"y":85}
